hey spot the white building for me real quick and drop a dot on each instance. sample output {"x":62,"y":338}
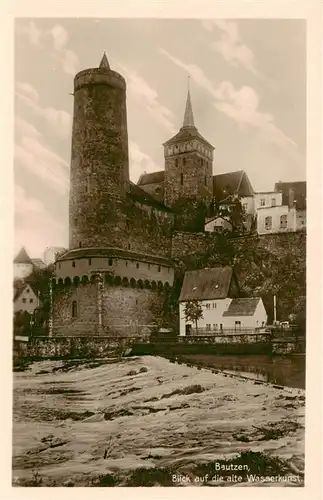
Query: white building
{"x":280,"y":219}
{"x":216,"y":291}
{"x":22,"y":265}
{"x":267,"y":199}
{"x":51,"y":254}
{"x":25,"y":298}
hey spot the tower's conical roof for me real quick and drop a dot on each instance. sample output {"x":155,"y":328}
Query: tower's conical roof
{"x":188,"y":117}
{"x":23,"y":257}
{"x":104,"y":62}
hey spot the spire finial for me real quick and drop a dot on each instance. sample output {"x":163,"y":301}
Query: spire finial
{"x":188,"y":117}
{"x":104,"y":62}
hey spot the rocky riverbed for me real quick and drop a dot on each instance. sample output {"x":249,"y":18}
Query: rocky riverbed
{"x":148,"y":422}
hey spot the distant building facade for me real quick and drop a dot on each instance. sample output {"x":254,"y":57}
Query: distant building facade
{"x":22,"y":265}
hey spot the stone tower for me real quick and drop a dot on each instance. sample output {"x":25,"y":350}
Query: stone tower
{"x":188,"y":163}
{"x":99,"y":177}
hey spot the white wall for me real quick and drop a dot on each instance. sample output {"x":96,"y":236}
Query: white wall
{"x":27,"y":301}
{"x":248,"y":203}
{"x":275,"y":213}
{"x":215,"y":224}
{"x":214,"y":316}
{"x":268,"y":199}
{"x":211,"y":315}
{"x":22,"y":270}
{"x":300,"y":220}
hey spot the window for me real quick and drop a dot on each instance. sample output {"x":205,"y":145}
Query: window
{"x":27,"y":290}
{"x":273,"y":202}
{"x":208,"y":306}
{"x":214,"y":305}
{"x":90,"y":262}
{"x":237,"y":325}
{"x":184,"y":161}
{"x":208,"y":326}
{"x":31,"y":301}
{"x":128,"y":246}
{"x":221,"y":326}
{"x":74,"y":309}
{"x":110,"y":262}
{"x":159,"y":269}
{"x":80,"y":244}
{"x":182,"y":179}
{"x":24,"y":301}
{"x":283,"y":221}
{"x":268,"y":223}
{"x":245,"y":207}
{"x":73,"y":263}
{"x":126,"y":263}
{"x":262,"y":202}
{"x":176,"y":162}
{"x":205,"y":180}
{"x":137,"y":265}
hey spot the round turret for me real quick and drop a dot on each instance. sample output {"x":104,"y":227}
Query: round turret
{"x":99,"y":177}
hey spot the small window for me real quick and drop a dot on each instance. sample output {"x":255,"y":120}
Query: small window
{"x":208,"y":306}
{"x":128,"y":246}
{"x":24,"y":301}
{"x":27,"y":290}
{"x":31,"y":301}
{"x":268,"y":223}
{"x":208,"y":326}
{"x":110,"y":262}
{"x":221,"y":326}
{"x":273,"y":202}
{"x":137,"y":265}
{"x":74,"y":309}
{"x":283,"y":221}
{"x":214,"y":305}
{"x":262,"y":202}
{"x":214,"y":326}
{"x":126,"y":263}
{"x":159,"y":269}
{"x":237,"y":325}
{"x":176,"y":162}
{"x":90,"y":262}
{"x":73,"y":263}
{"x":80,"y":244}
{"x":205,"y":180}
{"x":184,"y":161}
{"x":182,"y":179}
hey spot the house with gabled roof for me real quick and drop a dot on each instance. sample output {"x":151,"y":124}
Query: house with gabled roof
{"x":25,"y":297}
{"x":22,"y":264}
{"x":217,"y":291}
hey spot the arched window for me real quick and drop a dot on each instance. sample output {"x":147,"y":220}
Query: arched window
{"x":182,"y":179}
{"x":283,"y":221}
{"x":74,"y":309}
{"x":73,"y":263}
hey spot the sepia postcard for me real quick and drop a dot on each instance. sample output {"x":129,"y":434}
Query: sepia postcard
{"x":161,"y":314}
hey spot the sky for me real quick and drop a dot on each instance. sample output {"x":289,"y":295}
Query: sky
{"x":248,"y":90}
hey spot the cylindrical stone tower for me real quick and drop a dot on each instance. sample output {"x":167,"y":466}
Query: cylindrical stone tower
{"x":99,"y":177}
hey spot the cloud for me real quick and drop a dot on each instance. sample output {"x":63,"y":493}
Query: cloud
{"x":240,"y":105}
{"x":231,"y":47}
{"x":35,"y":228}
{"x":58,"y":119}
{"x":140,"y":162}
{"x":55,"y":41}
{"x":141,"y":89}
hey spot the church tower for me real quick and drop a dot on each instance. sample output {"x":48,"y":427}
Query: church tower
{"x":188,"y":163}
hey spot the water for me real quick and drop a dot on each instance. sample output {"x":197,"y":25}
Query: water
{"x":282,"y":370}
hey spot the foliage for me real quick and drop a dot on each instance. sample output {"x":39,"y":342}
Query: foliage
{"x":190,"y":214}
{"x":231,"y":211}
{"x":193,"y":311}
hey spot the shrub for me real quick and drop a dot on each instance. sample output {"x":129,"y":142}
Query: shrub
{"x":143,"y":369}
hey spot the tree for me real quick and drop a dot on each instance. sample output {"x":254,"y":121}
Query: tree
{"x":193,"y":312}
{"x":230,"y":210}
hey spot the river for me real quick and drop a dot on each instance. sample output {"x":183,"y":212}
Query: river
{"x":282,"y":370}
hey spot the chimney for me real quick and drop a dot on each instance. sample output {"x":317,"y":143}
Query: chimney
{"x":291,"y":198}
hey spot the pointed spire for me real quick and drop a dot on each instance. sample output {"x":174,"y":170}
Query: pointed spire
{"x":22,"y":257}
{"x":104,"y":62}
{"x":188,"y":117}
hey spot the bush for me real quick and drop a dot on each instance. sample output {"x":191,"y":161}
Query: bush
{"x":143,"y":369}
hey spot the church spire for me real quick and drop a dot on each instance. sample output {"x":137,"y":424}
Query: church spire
{"x":104,"y":62}
{"x":188,"y":117}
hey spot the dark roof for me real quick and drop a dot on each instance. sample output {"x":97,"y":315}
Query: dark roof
{"x":230,"y":184}
{"x":299,"y":189}
{"x":81,"y":253}
{"x":19,"y":286}
{"x":151,"y":178}
{"x":23,"y":257}
{"x":206,"y":284}
{"x":242,"y":307}
{"x":187,"y":133}
{"x":145,"y":197}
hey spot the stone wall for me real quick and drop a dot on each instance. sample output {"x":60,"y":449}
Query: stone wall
{"x":185,"y":244}
{"x":102,"y":309}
